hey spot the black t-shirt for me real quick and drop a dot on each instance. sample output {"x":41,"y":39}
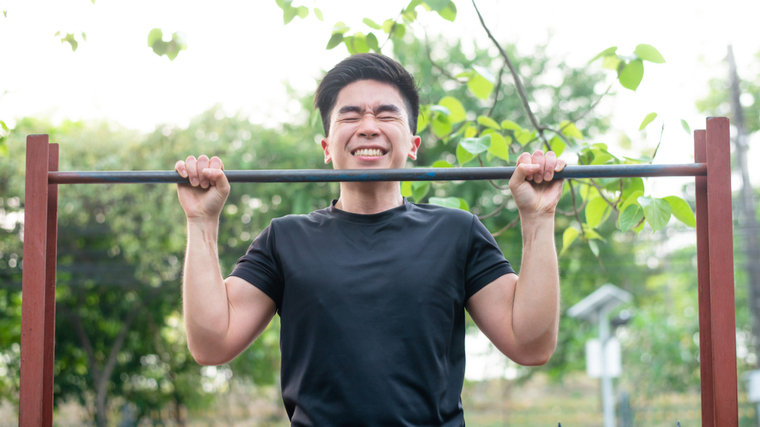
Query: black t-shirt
{"x":372,"y":311}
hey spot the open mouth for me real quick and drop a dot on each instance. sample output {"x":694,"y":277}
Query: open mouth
{"x":369,"y":152}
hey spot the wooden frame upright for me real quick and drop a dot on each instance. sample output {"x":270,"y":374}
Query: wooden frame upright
{"x":715,"y":276}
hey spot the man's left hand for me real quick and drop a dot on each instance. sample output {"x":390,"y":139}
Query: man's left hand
{"x":533,"y":186}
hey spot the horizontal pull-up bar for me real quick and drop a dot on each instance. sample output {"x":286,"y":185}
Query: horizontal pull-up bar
{"x":345,"y":175}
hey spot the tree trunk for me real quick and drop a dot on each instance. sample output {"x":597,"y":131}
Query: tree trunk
{"x":747,"y":219}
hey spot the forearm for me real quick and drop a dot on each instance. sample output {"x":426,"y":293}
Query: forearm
{"x":535,"y":317}
{"x":205,"y":302}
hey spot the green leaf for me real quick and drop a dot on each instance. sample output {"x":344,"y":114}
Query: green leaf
{"x":154,"y":35}
{"x":647,"y":120}
{"x":3,"y":126}
{"x":649,"y":53}
{"x":71,"y":41}
{"x":303,"y":12}
{"x":632,"y":199}
{"x":420,"y":189}
{"x":590,"y":233}
{"x":632,"y":74}
{"x":569,"y":129}
{"x":449,"y":13}
{"x":632,"y":185}
{"x":606,"y":52}
{"x":685,"y":126}
{"x":442,"y":164}
{"x":437,"y":5}
{"x":558,"y":145}
{"x":681,"y":210}
{"x":388,"y":25}
{"x":357,"y":43}
{"x":340,"y":27}
{"x":335,"y":40}
{"x":372,"y":42}
{"x":594,"y":247}
{"x":398,"y":31}
{"x":318,"y":14}
{"x":656,"y":211}
{"x":84,"y":36}
{"x":441,"y":125}
{"x":523,"y":136}
{"x":508,"y":124}
{"x":470,"y":131}
{"x":372,"y":24}
{"x":422,"y":121}
{"x":611,"y":62}
{"x":456,"y":110}
{"x":568,"y":237}
{"x":630,"y":216}
{"x":288,"y":13}
{"x":476,"y":145}
{"x":463,"y":156}
{"x":601,"y":159}
{"x":449,"y":202}
{"x":499,"y":146}
{"x":481,"y":82}
{"x":488,"y":122}
{"x":406,"y":189}
{"x":595,"y":210}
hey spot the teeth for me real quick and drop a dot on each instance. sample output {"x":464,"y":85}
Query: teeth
{"x":368,"y":152}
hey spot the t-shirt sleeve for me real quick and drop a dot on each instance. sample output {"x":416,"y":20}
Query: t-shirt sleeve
{"x":261,"y":267}
{"x":485,"y":261}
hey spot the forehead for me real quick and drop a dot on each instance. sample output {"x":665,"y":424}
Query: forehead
{"x":367,"y":94}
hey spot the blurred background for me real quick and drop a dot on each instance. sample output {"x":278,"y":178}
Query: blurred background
{"x":138,"y":85}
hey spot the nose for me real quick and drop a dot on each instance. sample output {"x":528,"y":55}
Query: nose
{"x":368,"y":127}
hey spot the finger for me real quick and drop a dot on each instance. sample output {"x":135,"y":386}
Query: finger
{"x":219,"y":180}
{"x":179,"y":167}
{"x":524,"y":159}
{"x":560,"y":165}
{"x":551,"y":162}
{"x":192,"y":170}
{"x":539,"y":159}
{"x":203,"y":164}
{"x":214,"y":163}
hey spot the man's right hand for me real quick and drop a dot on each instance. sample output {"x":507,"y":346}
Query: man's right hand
{"x":203,"y":199}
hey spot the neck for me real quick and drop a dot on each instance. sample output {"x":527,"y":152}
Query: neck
{"x":369,"y":197}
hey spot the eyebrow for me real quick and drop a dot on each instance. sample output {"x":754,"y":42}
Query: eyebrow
{"x":380,"y":109}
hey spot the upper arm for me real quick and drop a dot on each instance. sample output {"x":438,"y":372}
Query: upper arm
{"x":491,"y":308}
{"x":250,"y":311}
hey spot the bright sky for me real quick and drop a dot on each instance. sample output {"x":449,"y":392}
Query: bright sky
{"x":239,"y":53}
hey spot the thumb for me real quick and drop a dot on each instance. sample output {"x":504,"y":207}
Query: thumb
{"x":522,"y":171}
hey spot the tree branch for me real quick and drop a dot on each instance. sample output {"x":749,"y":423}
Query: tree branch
{"x":496,"y":211}
{"x":496,"y":90}
{"x":577,"y":217}
{"x":506,"y":227}
{"x":515,"y":77}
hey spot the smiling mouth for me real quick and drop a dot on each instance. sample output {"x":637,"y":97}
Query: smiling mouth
{"x":369,"y":152}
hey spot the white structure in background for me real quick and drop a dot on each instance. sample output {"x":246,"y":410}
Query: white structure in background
{"x":753,"y":389}
{"x":602,"y":355}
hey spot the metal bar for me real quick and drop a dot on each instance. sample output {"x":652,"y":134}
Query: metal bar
{"x":721,"y":253}
{"x":33,"y":282}
{"x":353,"y":175}
{"x":50,"y":272}
{"x":703,"y":288}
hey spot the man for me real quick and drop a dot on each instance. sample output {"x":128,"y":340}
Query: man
{"x":372,"y":290}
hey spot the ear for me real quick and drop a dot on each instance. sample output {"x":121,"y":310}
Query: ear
{"x":415,"y":147}
{"x":326,"y":149}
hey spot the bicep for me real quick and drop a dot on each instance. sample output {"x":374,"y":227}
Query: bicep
{"x":491,"y":308}
{"x":250,"y":311}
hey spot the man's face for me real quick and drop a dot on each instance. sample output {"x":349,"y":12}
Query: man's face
{"x":369,"y":128}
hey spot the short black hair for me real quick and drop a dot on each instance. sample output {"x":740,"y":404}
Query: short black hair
{"x":367,"y":66}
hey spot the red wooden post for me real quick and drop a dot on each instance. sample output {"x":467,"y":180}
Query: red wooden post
{"x":703,"y":280}
{"x":33,"y":281}
{"x":50,"y":270}
{"x":721,"y":253}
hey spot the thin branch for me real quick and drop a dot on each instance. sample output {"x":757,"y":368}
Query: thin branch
{"x":591,"y":107}
{"x":658,"y":142}
{"x":496,"y":211}
{"x":515,"y":76}
{"x":506,"y":227}
{"x":491,"y":181}
{"x":577,"y":217}
{"x":599,"y":189}
{"x":435,"y":64}
{"x":496,"y":91}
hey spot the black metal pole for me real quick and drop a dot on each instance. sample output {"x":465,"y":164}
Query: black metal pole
{"x":353,"y":175}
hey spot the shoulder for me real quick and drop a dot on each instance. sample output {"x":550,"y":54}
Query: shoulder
{"x":448,"y":216}
{"x":292,"y":221}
